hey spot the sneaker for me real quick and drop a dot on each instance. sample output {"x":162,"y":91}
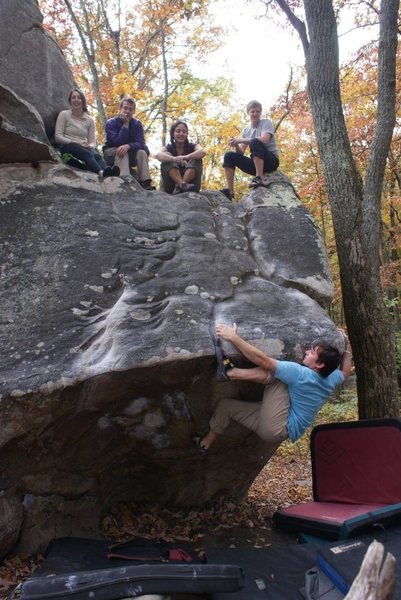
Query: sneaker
{"x":147,"y":185}
{"x":256,"y":182}
{"x":105,"y":173}
{"x":224,"y":364}
{"x":201,"y":449}
{"x":115,"y":171}
{"x":227,"y":193}
{"x":187,"y":187}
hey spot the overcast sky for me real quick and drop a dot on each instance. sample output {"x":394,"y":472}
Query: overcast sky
{"x":257,"y":54}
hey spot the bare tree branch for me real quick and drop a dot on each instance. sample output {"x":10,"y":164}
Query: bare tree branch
{"x":298,"y":25}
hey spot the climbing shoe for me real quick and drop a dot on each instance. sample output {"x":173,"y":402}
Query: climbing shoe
{"x":201,"y":449}
{"x":224,"y":364}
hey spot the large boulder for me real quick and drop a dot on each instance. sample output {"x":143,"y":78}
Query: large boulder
{"x":31,"y":62}
{"x":22,"y":133}
{"x":110,"y":297}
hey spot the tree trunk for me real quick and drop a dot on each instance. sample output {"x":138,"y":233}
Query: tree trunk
{"x":114,"y":34}
{"x":355,"y":208}
{"x":166,"y":86}
{"x":88,"y":46}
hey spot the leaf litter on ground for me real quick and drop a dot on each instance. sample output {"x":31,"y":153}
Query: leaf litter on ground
{"x":286,"y":479}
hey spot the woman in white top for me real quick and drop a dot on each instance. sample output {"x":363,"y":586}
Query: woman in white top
{"x":75,"y":134}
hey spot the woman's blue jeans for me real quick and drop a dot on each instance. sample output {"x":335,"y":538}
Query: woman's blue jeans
{"x":94,"y":162}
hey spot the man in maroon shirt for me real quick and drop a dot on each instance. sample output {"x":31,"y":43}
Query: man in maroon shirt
{"x":125,"y":144}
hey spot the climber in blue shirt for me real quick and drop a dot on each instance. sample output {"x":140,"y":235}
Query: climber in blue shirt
{"x":293,"y":393}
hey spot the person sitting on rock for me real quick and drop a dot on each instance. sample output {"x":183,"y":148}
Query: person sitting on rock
{"x":259,"y":135}
{"x":181,"y":161}
{"x":75,"y":134}
{"x":292,"y":396}
{"x":125,"y":144}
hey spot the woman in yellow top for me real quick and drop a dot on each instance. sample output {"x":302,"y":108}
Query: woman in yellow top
{"x":75,"y":134}
{"x":181,"y":161}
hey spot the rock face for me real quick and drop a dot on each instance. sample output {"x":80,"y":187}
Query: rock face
{"x":109,"y":297}
{"x":22,"y":133}
{"x":31,"y":63}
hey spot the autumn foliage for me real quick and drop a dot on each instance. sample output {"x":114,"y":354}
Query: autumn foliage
{"x":148,"y":50}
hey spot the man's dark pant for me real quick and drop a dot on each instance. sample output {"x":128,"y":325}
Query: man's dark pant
{"x":246,"y":164}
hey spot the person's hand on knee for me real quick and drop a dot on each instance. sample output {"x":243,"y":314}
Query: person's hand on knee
{"x":122,"y":150}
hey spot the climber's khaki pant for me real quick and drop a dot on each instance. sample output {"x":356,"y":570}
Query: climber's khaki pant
{"x":267,"y":418}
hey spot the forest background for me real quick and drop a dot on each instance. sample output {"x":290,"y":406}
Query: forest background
{"x":152,"y":50}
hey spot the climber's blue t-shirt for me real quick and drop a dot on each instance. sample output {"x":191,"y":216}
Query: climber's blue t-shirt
{"x":308,"y":391}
